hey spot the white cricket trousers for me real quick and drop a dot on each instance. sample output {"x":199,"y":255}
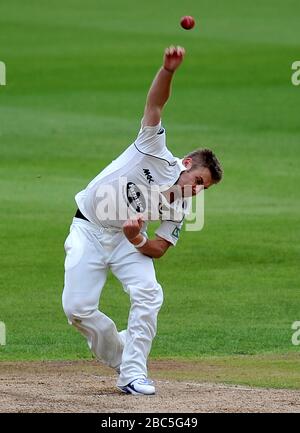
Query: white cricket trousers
{"x":90,"y":252}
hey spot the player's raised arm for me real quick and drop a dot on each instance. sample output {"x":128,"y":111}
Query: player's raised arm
{"x":161,"y":87}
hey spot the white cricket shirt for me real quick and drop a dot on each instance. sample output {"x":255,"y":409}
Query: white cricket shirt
{"x":134,"y":183}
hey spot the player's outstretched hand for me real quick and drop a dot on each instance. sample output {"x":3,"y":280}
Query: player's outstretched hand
{"x":132,"y":228}
{"x":173,"y":57}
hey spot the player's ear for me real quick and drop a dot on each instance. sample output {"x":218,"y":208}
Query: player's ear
{"x":187,"y":162}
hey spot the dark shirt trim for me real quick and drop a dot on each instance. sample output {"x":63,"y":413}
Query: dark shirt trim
{"x":153,"y":156}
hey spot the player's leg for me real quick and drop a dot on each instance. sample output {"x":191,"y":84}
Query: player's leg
{"x":85,"y":275}
{"x":137,"y":274}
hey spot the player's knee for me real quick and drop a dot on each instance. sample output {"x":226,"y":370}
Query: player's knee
{"x":150,"y":295}
{"x":73,"y":310}
{"x":158,"y":295}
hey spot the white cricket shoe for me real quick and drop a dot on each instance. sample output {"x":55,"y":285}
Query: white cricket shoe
{"x":139,"y":387}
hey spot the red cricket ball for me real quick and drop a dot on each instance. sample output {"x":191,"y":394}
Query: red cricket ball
{"x":187,"y":22}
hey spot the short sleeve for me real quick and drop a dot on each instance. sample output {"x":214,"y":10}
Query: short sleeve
{"x":151,"y":140}
{"x":169,"y":230}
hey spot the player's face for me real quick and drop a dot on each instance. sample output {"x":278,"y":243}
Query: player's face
{"x":194,"y":180}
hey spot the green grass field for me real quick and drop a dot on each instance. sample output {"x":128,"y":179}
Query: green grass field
{"x":77,"y":78}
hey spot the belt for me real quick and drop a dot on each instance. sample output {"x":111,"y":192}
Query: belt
{"x":80,"y":215}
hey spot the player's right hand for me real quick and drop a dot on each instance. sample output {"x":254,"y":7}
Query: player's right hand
{"x":173,"y":57}
{"x":132,"y":227}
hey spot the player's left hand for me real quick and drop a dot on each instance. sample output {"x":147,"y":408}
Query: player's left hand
{"x":132,"y":227}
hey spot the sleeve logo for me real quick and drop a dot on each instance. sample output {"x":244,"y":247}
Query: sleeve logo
{"x":175,"y":232}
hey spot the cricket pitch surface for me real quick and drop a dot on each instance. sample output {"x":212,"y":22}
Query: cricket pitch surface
{"x":88,"y":386}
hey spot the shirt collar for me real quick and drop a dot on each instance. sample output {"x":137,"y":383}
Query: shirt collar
{"x":181,"y":165}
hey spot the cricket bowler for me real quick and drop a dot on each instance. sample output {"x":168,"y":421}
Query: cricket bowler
{"x":109,"y":232}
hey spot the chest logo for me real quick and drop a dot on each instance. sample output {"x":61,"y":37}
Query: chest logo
{"x":148,"y":175}
{"x":135,"y":198}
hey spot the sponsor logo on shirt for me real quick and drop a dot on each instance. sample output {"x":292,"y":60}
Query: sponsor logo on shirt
{"x":148,"y":175}
{"x":135,"y":198}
